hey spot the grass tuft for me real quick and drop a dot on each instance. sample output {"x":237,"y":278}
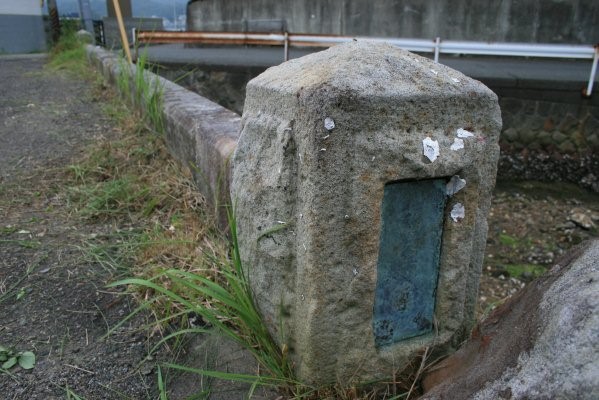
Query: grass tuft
{"x":68,"y":54}
{"x":143,"y":91}
{"x":223,"y":298}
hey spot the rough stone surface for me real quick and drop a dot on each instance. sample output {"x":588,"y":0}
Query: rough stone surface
{"x":309,"y":199}
{"x":510,"y":134}
{"x":527,"y":121}
{"x":541,"y":344}
{"x":84,"y":36}
{"x":566,"y":149}
{"x":522,"y":163}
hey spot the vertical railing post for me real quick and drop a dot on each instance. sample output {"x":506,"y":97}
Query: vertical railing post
{"x":286,"y":49}
{"x":589,"y":89}
{"x":135,"y":44}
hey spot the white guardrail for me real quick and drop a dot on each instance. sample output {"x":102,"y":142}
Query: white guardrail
{"x":435,"y":47}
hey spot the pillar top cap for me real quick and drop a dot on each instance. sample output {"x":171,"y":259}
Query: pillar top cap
{"x":368,"y":68}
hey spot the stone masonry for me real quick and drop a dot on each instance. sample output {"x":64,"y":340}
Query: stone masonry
{"x":341,"y":153}
{"x":550,"y":126}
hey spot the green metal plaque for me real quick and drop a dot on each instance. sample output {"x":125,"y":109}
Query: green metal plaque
{"x":408,"y":263}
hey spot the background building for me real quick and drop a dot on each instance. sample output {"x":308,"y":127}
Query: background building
{"x":21,"y":26}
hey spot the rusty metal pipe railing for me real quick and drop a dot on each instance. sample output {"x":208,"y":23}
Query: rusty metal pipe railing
{"x":436,"y":46}
{"x":228,"y":38}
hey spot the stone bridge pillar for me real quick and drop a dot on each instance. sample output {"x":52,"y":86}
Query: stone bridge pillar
{"x":362,"y":181}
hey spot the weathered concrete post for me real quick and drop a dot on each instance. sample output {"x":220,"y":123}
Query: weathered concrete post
{"x":362,"y":181}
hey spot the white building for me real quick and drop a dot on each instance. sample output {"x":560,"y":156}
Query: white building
{"x":21,"y":26}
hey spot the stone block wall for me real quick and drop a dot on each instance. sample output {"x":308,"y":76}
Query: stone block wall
{"x":549,"y":126}
{"x":543,"y":125}
{"x":550,"y":141}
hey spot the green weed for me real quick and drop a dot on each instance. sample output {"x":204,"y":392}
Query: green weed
{"x":114,"y":252}
{"x":226,"y":303}
{"x":120,"y":177}
{"x":16,"y":289}
{"x":78,"y":172}
{"x":148,"y":94}
{"x":142,"y":91}
{"x":525,"y":272}
{"x":69,"y":54}
{"x":21,"y":293}
{"x":106,"y":199}
{"x":8,"y":229}
{"x":72,"y":60}
{"x":508,"y":240}
{"x":10,"y":357}
{"x":123,"y":79}
{"x":72,"y":395}
{"x":161,"y":386}
{"x":25,"y":243}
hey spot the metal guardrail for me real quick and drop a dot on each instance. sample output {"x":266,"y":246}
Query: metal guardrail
{"x":436,"y":46}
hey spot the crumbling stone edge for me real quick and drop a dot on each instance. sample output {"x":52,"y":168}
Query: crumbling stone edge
{"x":199,"y":133}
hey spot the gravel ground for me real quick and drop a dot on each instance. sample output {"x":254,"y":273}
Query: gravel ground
{"x":54,"y":303}
{"x":531,"y":224}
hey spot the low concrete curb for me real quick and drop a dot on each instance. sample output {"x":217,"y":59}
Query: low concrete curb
{"x":16,"y":57}
{"x":199,"y":133}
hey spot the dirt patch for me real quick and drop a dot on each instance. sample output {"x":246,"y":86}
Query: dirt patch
{"x":53,"y":302}
{"x":531,"y":224}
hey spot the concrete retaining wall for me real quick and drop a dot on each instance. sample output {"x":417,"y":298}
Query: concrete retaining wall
{"x":199,"y":133}
{"x":538,"y":21}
